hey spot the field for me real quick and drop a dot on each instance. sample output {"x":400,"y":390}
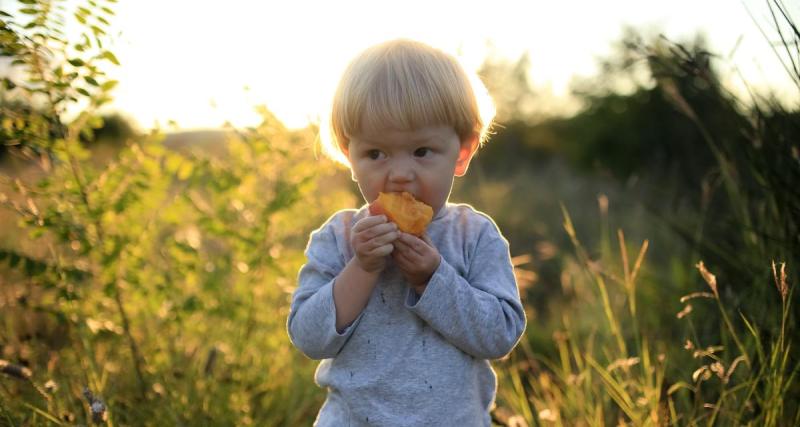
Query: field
{"x":145,"y":277}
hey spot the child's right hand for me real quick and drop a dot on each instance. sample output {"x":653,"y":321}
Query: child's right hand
{"x":371,"y":238}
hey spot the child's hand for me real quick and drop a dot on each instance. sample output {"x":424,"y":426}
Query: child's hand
{"x":417,"y":259}
{"x":372,"y":239}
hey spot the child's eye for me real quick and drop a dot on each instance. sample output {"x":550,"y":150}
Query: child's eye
{"x":374,"y":154}
{"x":422,"y":152}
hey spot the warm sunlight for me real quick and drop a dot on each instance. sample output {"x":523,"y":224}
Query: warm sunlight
{"x":176,"y":247}
{"x":200,"y":64}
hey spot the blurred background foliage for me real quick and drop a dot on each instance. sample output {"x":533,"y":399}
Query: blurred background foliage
{"x":145,"y":276}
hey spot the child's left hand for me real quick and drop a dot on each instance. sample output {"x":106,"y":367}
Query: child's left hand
{"x":417,"y":258}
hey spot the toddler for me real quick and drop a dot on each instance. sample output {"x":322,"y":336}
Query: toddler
{"x":405,"y":326}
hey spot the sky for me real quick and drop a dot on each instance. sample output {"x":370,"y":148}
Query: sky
{"x":198,"y":64}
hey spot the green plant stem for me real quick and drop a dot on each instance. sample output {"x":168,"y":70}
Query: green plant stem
{"x":7,"y":417}
{"x":78,"y":177}
{"x":731,"y":330}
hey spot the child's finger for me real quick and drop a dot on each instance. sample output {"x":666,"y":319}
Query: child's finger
{"x":402,"y":261}
{"x":384,"y":238}
{"x":375,"y":231}
{"x":403,"y":247}
{"x":382,"y":251}
{"x":369,"y":221}
{"x":414,"y":243}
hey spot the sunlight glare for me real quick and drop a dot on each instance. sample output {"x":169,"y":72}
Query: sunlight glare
{"x":201,"y":64}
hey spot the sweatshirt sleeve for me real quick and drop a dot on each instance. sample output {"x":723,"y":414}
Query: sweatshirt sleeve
{"x":481,"y":314}
{"x":312,"y":314}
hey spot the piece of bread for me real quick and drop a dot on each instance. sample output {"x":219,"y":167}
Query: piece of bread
{"x":410,"y":215}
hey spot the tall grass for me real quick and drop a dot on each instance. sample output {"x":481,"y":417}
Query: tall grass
{"x":621,"y":372}
{"x":729,"y":355}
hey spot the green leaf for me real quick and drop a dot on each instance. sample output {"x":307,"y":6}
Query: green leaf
{"x":191,"y":304}
{"x":9,"y":85}
{"x":80,"y":18}
{"x":91,"y":80}
{"x":83,"y":91}
{"x":103,"y":20}
{"x":76,"y":62}
{"x":107,"y":10}
{"x":27,"y":1}
{"x":185,"y":171}
{"x":97,"y":30}
{"x":95,"y":122}
{"x":29,"y":11}
{"x":32,"y":267}
{"x":110,"y":56}
{"x":111,"y":84}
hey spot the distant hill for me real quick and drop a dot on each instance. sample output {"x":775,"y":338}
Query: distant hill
{"x":207,"y":140}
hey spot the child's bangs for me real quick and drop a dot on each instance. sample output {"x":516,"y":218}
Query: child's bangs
{"x":413,"y":91}
{"x":407,"y":110}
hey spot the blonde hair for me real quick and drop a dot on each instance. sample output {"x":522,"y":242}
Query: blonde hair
{"x":405,"y":85}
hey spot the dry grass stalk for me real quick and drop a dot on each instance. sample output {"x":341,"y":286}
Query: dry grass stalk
{"x":781,"y":283}
{"x":696,"y":295}
{"x":686,"y":310}
{"x":14,"y":370}
{"x":709,"y":278}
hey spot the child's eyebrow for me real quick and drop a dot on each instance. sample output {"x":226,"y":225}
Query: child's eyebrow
{"x":426,"y":139}
{"x":367,"y":142}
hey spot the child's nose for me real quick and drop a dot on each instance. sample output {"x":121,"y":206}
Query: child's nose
{"x":401,"y":171}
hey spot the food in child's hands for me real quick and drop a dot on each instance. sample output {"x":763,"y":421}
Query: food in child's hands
{"x":410,"y":215}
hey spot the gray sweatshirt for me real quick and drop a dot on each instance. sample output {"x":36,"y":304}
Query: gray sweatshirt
{"x":411,"y":360}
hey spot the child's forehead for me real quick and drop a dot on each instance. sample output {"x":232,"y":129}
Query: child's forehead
{"x":393,"y":136}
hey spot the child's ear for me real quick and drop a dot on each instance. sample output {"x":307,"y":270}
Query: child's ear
{"x":465,"y":153}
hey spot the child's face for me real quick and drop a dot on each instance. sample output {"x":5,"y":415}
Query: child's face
{"x":422,"y":162}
